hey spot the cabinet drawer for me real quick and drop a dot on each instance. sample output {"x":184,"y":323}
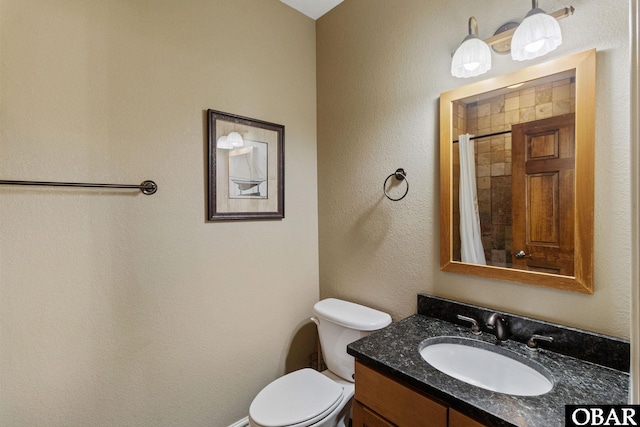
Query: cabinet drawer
{"x":364,"y":417}
{"x":456,"y":419}
{"x":397,"y":403}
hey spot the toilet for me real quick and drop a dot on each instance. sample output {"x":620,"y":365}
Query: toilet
{"x":308,"y":398}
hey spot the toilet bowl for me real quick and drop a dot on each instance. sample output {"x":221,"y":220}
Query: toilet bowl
{"x":308,"y":398}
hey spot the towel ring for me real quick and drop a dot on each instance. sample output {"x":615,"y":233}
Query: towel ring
{"x":400,"y":175}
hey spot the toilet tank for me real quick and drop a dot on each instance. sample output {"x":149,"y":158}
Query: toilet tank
{"x":339,"y":324}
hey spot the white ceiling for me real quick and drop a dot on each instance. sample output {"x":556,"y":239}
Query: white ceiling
{"x":312,"y":8}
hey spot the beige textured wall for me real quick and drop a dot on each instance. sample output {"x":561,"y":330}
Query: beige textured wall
{"x":119,"y":309}
{"x":381,"y":68}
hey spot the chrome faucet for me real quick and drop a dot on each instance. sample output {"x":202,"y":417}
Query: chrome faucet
{"x":497,"y":323}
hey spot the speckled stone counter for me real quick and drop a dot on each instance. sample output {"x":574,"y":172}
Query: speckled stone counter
{"x":394,"y":351}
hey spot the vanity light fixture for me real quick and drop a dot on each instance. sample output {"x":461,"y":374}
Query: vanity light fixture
{"x":537,"y":35}
{"x":231,"y":141}
{"x":473,"y":56}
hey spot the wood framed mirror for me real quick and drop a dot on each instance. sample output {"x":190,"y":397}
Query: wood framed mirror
{"x":533,"y":139}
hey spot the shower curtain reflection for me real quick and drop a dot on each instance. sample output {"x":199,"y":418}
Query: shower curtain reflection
{"x":470,"y":233}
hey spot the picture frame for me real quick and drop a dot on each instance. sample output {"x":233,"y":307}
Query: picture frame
{"x":246,"y":168}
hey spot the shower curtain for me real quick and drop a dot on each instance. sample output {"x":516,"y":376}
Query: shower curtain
{"x":470,"y":236}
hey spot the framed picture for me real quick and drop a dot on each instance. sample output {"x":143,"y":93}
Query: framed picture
{"x":246,"y":168}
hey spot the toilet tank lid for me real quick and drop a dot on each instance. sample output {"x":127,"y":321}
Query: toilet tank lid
{"x":351,"y":315}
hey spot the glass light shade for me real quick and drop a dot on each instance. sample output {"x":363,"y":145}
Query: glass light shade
{"x":472,"y":58}
{"x":537,"y":35}
{"x":223,"y":143}
{"x":235,"y":139}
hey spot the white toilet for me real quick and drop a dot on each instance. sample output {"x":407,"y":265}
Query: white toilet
{"x":308,"y":398}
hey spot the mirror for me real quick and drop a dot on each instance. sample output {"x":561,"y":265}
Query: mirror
{"x":529,"y":176}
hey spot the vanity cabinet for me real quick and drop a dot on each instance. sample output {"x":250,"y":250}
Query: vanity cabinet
{"x":383,"y":402}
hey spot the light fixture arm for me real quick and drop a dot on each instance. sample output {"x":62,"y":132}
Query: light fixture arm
{"x":473,"y":26}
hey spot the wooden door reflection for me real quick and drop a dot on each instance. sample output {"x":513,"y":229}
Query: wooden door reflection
{"x":543,"y":195}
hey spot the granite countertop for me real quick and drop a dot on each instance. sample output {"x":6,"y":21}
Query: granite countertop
{"x":394,"y":351}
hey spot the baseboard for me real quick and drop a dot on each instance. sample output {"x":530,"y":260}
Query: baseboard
{"x":242,"y":423}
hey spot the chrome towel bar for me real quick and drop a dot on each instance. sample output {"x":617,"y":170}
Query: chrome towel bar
{"x":147,"y":187}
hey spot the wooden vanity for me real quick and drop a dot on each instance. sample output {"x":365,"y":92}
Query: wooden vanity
{"x":383,"y":402}
{"x":395,"y":386}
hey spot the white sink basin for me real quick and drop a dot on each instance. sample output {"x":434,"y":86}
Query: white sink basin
{"x":485,"y":365}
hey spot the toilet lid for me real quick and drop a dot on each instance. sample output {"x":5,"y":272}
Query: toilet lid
{"x":304,"y":395}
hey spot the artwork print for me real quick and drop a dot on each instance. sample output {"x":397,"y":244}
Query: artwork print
{"x":246,"y":168}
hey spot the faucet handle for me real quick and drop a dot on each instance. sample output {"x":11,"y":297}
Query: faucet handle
{"x":532,"y":344}
{"x":474,"y":324}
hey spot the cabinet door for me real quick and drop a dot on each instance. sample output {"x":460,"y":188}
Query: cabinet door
{"x":456,"y":419}
{"x":364,"y":417}
{"x":396,"y":402}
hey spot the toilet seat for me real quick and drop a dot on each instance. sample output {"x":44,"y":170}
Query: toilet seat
{"x":298,"y":399}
